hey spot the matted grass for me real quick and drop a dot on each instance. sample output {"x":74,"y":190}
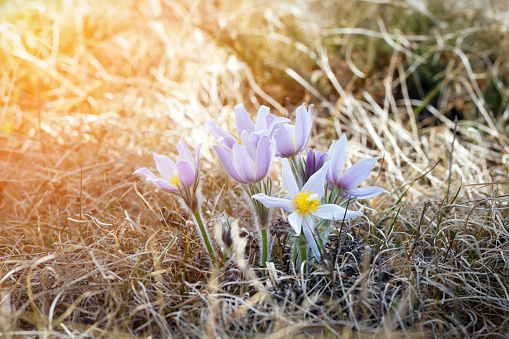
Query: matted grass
{"x":88,"y":89}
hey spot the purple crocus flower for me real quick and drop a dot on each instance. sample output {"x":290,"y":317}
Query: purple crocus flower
{"x":175,"y":176}
{"x":314,"y":161}
{"x":353,"y":176}
{"x":292,"y":139}
{"x":305,"y":204}
{"x":245,"y":161}
{"x":265,"y":125}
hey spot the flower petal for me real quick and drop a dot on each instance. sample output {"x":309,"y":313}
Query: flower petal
{"x":165,"y":166}
{"x":335,"y":212}
{"x":184,"y":153}
{"x":242,"y":120}
{"x":285,"y":145}
{"x":248,"y":144}
{"x":197,"y":152}
{"x":243,"y":163}
{"x":303,"y":124}
{"x":186,"y":173}
{"x":273,"y":122}
{"x":269,"y":202}
{"x":314,"y":161}
{"x":225,"y":155}
{"x":355,"y":175}
{"x":337,"y":153}
{"x":308,"y":227}
{"x":289,"y":179}
{"x":149,"y":176}
{"x":295,"y":220}
{"x":228,"y":141}
{"x":261,"y":119}
{"x":316,"y":183}
{"x":364,"y":192}
{"x":216,"y":131}
{"x":264,"y":156}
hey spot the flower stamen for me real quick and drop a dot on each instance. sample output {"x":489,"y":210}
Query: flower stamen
{"x":175,"y":181}
{"x":239,"y":141}
{"x":306,"y":202}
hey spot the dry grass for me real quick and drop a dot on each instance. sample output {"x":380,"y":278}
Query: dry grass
{"x":88,"y":250}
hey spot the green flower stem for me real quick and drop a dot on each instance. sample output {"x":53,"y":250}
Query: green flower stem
{"x":204,"y":234}
{"x":263,"y":219}
{"x":262,"y":215}
{"x":303,"y":249}
{"x":265,"y":245}
{"x":294,"y":253}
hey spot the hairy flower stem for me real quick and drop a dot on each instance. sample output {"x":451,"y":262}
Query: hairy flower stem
{"x":303,"y":250}
{"x":262,"y":215}
{"x":204,"y":234}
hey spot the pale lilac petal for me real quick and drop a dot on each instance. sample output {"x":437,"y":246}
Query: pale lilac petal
{"x":364,"y":192}
{"x":264,"y":157}
{"x":197,"y":152}
{"x":291,"y":130}
{"x":149,"y":176}
{"x":186,"y":173}
{"x":184,"y":153}
{"x":216,"y":131}
{"x":243,"y":163}
{"x":316,"y":183}
{"x":261,"y":119}
{"x":273,"y":122}
{"x":269,"y":202}
{"x":165,"y":166}
{"x":285,"y":144}
{"x":295,"y":220}
{"x":225,"y":156}
{"x":248,"y":144}
{"x":242,"y":120}
{"x":303,"y":124}
{"x":255,"y":138}
{"x":289,"y":179}
{"x":335,"y":212}
{"x":355,"y":175}
{"x":338,"y":159}
{"x":228,"y":141}
{"x":308,"y":227}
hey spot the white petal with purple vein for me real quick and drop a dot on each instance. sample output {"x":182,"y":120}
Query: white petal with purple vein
{"x":335,"y":212}
{"x":355,"y":175}
{"x":295,"y":220}
{"x":267,"y":201}
{"x":165,"y":166}
{"x":308,"y":227}
{"x":316,"y":182}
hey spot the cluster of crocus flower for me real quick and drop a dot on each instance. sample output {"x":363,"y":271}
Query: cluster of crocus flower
{"x":316,"y":182}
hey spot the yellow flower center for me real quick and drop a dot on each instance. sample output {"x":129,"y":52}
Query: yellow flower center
{"x":239,"y":141}
{"x":306,"y":203}
{"x":294,"y":144}
{"x":175,"y":180}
